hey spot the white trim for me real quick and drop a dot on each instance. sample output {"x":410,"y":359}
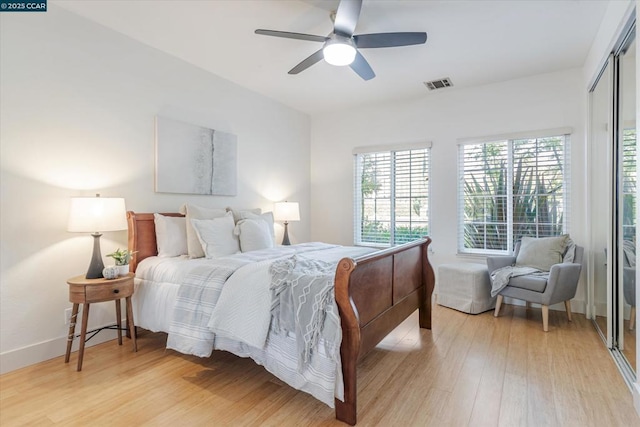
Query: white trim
{"x":30,"y":355}
{"x":517,"y":135}
{"x":391,"y":147}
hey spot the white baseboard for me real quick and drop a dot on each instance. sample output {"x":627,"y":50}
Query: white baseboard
{"x":36,"y":353}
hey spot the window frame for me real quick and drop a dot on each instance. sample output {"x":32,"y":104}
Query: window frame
{"x":509,"y":139}
{"x":391,"y":150}
{"x":629,"y":172}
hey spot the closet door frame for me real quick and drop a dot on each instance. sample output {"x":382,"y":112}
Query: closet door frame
{"x":613,"y":337}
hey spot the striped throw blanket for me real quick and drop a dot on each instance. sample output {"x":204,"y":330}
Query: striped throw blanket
{"x":197,"y":298}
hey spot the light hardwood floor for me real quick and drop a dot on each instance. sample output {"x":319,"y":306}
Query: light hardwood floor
{"x":467,"y":371}
{"x":629,"y":351}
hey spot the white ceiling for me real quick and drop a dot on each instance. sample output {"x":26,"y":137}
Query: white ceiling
{"x":472,"y":42}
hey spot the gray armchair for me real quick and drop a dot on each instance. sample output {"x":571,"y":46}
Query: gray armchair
{"x":629,"y":278}
{"x":561,"y":285}
{"x":629,"y":292}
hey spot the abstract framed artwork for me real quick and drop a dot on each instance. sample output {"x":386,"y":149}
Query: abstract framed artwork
{"x":192,"y":159}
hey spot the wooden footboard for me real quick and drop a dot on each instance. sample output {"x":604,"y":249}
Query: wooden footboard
{"x":375,"y":293}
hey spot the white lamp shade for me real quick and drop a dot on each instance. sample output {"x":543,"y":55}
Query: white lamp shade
{"x":286,"y":211}
{"x":96,"y":214}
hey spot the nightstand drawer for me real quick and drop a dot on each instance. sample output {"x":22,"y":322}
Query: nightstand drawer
{"x":108,"y":292}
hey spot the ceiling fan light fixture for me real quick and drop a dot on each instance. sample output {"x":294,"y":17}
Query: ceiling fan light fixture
{"x":339,"y":52}
{"x":341,"y":47}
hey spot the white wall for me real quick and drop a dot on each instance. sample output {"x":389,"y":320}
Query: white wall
{"x":535,"y":103}
{"x":615,"y":18}
{"x":77,"y":114}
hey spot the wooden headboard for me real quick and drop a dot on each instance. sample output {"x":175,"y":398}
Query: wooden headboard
{"x":142,"y":236}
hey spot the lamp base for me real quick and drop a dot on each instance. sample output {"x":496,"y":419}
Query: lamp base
{"x":96,"y":266}
{"x":285,"y":238}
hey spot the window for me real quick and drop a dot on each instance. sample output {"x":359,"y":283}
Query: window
{"x":510,"y":188}
{"x":629,"y":183}
{"x":391,"y":195}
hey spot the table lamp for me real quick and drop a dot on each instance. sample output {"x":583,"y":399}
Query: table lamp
{"x":95,"y":215}
{"x":286,"y":211}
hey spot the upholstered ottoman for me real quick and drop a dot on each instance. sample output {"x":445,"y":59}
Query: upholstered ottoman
{"x":465,"y":287}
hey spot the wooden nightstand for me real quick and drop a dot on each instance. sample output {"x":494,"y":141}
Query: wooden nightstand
{"x":87,"y":291}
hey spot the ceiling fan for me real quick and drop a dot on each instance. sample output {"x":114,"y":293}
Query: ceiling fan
{"x":341,"y":45}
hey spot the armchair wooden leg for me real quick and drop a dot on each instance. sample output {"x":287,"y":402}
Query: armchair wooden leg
{"x":632,"y":318}
{"x":567,"y":305}
{"x":545,"y":318}
{"x":498,"y":304}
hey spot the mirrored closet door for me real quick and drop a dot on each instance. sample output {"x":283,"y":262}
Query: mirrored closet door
{"x":626,"y":232}
{"x":600,"y":183}
{"x":612,"y":208}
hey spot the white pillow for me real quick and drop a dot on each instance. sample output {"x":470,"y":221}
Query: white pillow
{"x":216,"y":236}
{"x":171,"y":235}
{"x":192,"y":212}
{"x":238,"y":214}
{"x":266,"y":217}
{"x":254,"y":234}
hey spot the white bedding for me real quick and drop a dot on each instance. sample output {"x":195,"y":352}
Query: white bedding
{"x":241,"y":318}
{"x":240,"y":321}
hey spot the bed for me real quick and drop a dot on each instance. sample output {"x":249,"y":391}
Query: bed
{"x":374,"y":293}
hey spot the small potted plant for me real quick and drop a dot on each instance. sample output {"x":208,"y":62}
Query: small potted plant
{"x":122,"y":258}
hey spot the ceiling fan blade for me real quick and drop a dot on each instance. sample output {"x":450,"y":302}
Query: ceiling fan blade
{"x":347,"y":17}
{"x":288,"y":35}
{"x":367,"y":41}
{"x":362,"y":67}
{"x":316,"y":57}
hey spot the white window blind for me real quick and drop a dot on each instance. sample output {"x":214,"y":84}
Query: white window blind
{"x":629,"y":183}
{"x":510,"y":188}
{"x":391,"y":196}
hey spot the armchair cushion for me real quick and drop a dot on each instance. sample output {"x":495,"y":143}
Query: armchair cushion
{"x":541,"y":253}
{"x":530,"y":282}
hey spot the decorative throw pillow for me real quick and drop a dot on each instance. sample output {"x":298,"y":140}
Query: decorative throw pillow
{"x":570,"y":252}
{"x":541,"y":253}
{"x":192,"y":212}
{"x":238,"y":214}
{"x":629,"y":252}
{"x":254,"y":234}
{"x":267,"y":217}
{"x":171,"y":235}
{"x":216,"y":236}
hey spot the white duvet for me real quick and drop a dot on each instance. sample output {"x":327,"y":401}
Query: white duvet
{"x":239,"y":321}
{"x":243,"y":311}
